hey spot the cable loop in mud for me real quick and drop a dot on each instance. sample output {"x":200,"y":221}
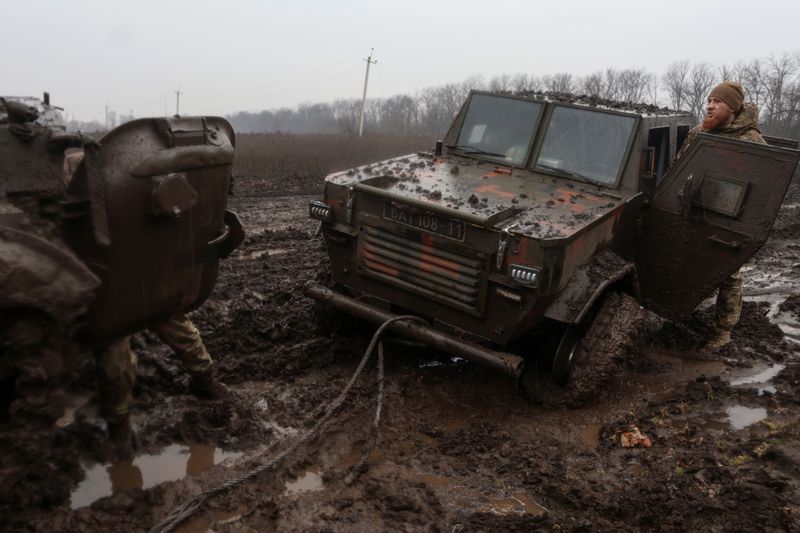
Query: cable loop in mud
{"x":190,"y":506}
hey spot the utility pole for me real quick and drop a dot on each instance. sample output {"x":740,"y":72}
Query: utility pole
{"x":364,"y":97}
{"x":178,"y":94}
{"x":106,"y":116}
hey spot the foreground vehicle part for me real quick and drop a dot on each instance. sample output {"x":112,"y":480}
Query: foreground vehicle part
{"x":536,"y":208}
{"x":129,"y":237}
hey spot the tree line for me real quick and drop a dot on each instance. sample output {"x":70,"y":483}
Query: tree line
{"x":772,"y":83}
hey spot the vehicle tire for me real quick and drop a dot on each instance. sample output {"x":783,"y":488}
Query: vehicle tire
{"x":589,"y":362}
{"x":565,"y":355}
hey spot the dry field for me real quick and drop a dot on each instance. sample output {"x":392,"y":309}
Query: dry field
{"x":286,"y":156}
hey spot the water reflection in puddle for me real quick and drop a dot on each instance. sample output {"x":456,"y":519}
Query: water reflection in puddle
{"x":309,"y":482}
{"x":739,"y":416}
{"x":172,"y":463}
{"x":758,"y":378}
{"x":734,"y":417}
{"x":774,"y":296}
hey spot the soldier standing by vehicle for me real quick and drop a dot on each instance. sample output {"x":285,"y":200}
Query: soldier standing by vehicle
{"x":728,"y":115}
{"x":116,"y":373}
{"x":116,"y":363}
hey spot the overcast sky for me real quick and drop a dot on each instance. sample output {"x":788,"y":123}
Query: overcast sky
{"x":228,"y":56}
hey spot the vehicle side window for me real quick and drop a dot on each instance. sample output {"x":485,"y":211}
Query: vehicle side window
{"x":658,"y":140}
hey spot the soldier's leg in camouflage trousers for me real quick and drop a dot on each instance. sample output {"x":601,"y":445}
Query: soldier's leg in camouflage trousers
{"x":728,"y":310}
{"x":179,"y":333}
{"x":115,"y":370}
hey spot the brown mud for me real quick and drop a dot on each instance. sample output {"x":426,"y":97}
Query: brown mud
{"x":460,"y":449}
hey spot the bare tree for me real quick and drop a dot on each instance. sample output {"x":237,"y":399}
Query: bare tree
{"x":399,"y":114}
{"x":676,"y":83}
{"x":501,"y":82}
{"x":701,"y":81}
{"x":522,"y":82}
{"x":632,"y":85}
{"x":593,"y":84}
{"x":560,"y":82}
{"x":751,"y":76}
{"x":780,"y":73}
{"x":651,"y":89}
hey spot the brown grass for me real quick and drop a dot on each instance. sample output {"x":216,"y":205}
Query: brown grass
{"x":285,"y":156}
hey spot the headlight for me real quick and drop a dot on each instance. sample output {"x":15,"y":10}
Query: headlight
{"x":320,"y":211}
{"x":524,"y":275}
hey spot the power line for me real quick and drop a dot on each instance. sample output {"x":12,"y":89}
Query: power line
{"x":364,"y":96}
{"x":178,"y":94}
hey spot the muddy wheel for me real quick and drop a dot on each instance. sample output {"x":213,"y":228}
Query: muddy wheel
{"x":584,"y":364}
{"x":565,"y":355}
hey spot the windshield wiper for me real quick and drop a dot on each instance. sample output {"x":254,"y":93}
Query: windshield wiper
{"x":572,"y":174}
{"x":465,"y":148}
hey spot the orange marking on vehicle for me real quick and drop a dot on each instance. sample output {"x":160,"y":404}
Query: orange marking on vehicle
{"x":427,"y":255}
{"x":380,"y":267}
{"x":494,"y":189}
{"x":521,"y":254}
{"x":494,"y":174}
{"x":568,"y":194}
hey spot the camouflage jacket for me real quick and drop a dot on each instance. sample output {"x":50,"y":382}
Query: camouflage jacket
{"x":743,"y":127}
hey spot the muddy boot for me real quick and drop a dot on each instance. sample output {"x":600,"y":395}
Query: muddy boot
{"x":206,"y":385}
{"x":718,"y":340}
{"x":120,"y":434}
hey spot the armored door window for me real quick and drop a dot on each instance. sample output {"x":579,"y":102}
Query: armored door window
{"x":498,"y":128}
{"x":722,"y":194}
{"x":586,"y":144}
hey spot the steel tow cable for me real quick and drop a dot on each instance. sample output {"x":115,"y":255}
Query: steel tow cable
{"x":185,"y":510}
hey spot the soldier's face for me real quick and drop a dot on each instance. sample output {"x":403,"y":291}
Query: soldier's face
{"x":718,"y":113}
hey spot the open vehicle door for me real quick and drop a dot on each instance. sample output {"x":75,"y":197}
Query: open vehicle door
{"x":713,"y":212}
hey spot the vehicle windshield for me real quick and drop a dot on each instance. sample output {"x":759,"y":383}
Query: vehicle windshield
{"x":498,"y":128}
{"x":586,"y":144}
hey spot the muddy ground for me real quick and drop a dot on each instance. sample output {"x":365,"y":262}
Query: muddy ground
{"x":459,"y":448}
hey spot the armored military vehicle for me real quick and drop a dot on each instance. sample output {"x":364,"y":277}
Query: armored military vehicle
{"x":130,"y":236}
{"x":546,"y":216}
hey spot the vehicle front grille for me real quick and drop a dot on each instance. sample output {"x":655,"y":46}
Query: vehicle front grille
{"x":421,"y":268}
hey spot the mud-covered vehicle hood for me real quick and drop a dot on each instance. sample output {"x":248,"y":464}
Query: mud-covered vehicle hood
{"x":488,"y":195}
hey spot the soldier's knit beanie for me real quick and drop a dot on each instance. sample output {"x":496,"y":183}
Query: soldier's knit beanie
{"x":731,"y":93}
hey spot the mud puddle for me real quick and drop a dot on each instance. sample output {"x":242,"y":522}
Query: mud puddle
{"x":172,"y":463}
{"x":459,"y":496}
{"x":310,"y":481}
{"x":786,"y":321}
{"x":590,"y":435}
{"x":731,"y":418}
{"x":759,"y":377}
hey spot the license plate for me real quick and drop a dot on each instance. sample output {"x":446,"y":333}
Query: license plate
{"x":424,"y":220}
